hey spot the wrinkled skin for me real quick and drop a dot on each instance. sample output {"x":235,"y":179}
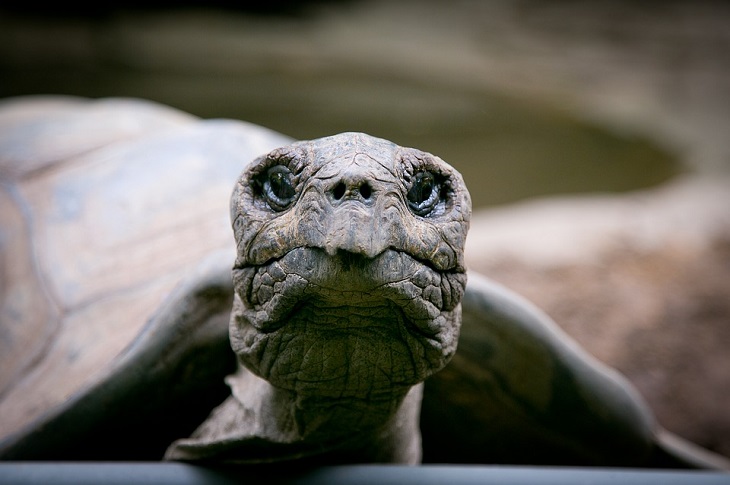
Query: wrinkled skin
{"x":348,"y":281}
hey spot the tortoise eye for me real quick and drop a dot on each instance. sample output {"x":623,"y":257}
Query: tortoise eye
{"x":277,"y":187}
{"x":423,"y":195}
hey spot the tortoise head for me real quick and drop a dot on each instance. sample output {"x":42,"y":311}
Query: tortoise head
{"x":350,"y":269}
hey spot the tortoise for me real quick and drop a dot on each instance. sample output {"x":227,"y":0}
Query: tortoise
{"x":337,"y":327}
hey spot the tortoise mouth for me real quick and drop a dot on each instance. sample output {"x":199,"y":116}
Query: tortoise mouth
{"x":273,"y":292}
{"x":386,"y":320}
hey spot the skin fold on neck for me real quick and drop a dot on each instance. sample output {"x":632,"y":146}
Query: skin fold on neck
{"x":381,"y":428}
{"x":260,"y":423}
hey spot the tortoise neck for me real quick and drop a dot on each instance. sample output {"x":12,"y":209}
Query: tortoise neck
{"x":382,"y":428}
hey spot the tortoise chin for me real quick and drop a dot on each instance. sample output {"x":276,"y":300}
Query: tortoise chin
{"x":345,"y":325}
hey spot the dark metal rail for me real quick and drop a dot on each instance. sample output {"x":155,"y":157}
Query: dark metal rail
{"x":27,"y":473}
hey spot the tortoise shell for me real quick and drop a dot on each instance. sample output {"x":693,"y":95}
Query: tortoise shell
{"x":116,"y":249}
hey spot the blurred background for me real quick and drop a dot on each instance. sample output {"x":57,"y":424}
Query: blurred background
{"x":524,"y":97}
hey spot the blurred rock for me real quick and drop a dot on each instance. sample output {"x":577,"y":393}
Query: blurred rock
{"x":641,"y":280}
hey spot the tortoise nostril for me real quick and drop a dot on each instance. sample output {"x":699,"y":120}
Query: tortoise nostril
{"x":365,"y":191}
{"x":339,"y":191}
{"x":356,"y":190}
